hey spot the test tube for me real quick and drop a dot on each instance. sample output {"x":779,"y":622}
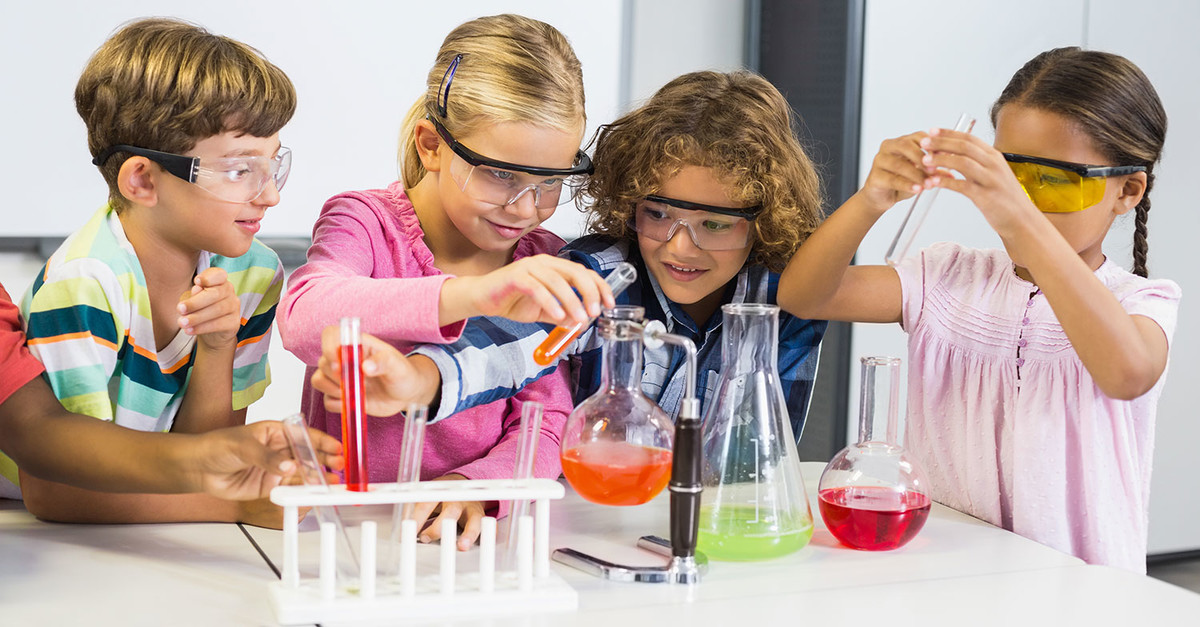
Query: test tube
{"x":527,"y":439}
{"x":354,"y":415}
{"x":410,"y":465}
{"x":919,"y":209}
{"x":561,"y":337}
{"x":312,"y":473}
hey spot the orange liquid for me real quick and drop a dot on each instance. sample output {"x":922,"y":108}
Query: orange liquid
{"x":617,"y":473}
{"x":554,"y":344}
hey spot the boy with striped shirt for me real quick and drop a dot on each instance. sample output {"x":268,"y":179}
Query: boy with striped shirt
{"x":157,"y":314}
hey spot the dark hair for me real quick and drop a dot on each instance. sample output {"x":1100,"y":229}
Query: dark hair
{"x":1111,"y":100}
{"x":736,"y":123}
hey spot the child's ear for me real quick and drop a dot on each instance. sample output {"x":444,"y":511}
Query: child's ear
{"x":135,"y":181}
{"x":428,"y":141}
{"x":1131,"y":192}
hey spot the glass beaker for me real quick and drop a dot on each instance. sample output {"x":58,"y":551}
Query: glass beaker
{"x":873,"y":495}
{"x":616,"y":447}
{"x":753,"y":505}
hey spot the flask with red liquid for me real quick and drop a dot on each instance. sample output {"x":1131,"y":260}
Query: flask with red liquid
{"x":561,"y":337}
{"x":873,"y":495}
{"x":616,"y":447}
{"x":354,"y":415}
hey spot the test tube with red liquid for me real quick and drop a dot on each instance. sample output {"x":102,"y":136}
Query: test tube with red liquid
{"x":354,"y":415}
{"x":560,"y":338}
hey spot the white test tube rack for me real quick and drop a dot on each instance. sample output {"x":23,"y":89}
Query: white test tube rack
{"x":408,"y":594}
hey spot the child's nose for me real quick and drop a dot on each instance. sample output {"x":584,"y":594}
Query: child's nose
{"x":682,"y":241}
{"x":269,"y":196}
{"x":525,"y":205}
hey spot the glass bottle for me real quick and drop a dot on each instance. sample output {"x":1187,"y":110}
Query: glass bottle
{"x":616,"y":447}
{"x":753,"y":505}
{"x":873,"y":495}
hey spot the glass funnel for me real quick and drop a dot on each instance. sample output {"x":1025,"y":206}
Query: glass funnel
{"x":873,"y":495}
{"x":616,"y":447}
{"x":753,"y":505}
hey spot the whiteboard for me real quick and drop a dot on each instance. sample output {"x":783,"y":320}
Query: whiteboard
{"x":357,"y":67}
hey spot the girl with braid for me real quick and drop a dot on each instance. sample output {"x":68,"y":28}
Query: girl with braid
{"x":1034,"y":371}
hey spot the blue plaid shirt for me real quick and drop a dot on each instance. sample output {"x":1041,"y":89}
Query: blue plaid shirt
{"x":494,"y":357}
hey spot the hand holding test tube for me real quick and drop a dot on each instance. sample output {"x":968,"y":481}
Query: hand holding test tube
{"x":919,"y":209}
{"x":561,"y":337}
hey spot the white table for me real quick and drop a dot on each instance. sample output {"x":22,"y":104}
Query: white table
{"x":957,"y":571}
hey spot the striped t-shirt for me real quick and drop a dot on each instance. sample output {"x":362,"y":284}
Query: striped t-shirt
{"x":88,"y":319}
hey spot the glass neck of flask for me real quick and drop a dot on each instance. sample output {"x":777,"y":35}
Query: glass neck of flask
{"x":751,"y":338}
{"x":622,"y":366}
{"x":879,"y":400}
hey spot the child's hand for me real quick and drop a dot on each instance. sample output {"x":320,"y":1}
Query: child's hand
{"x":244,"y":463}
{"x":987,"y":179}
{"x":391,"y":381}
{"x":211,"y":311}
{"x":896,"y":172}
{"x":468,"y":515}
{"x":263,"y":513}
{"x":541,"y":288}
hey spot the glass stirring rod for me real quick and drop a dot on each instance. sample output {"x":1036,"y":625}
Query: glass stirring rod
{"x":561,"y":337}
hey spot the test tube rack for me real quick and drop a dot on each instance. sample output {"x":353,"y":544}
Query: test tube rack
{"x":444,"y":594}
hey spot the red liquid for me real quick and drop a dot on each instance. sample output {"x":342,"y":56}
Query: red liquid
{"x":555,"y":343}
{"x":617,"y":473}
{"x":354,"y":425}
{"x":873,"y":518}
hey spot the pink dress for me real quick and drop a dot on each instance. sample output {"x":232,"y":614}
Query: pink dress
{"x":369,"y":259}
{"x":1007,"y":421}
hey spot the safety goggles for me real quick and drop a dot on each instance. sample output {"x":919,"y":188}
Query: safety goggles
{"x":1062,"y":186}
{"x":710,"y":227}
{"x":502,"y":183}
{"x":232,"y":179}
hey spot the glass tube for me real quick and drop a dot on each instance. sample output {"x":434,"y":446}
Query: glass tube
{"x":527,"y":441}
{"x":919,"y":209}
{"x":561,"y":337}
{"x":354,"y":415}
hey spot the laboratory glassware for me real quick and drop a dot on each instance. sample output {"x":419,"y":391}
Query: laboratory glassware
{"x":616,"y":446}
{"x":561,"y":337}
{"x":919,"y":209}
{"x":354,"y":415}
{"x":754,"y":505}
{"x":873,"y":494}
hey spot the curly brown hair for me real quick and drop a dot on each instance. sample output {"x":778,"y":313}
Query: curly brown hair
{"x":736,"y":123}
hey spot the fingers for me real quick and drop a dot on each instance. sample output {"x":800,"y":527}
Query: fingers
{"x":472,"y":523}
{"x":211,"y":305}
{"x":421,"y":513}
{"x":329,"y":449}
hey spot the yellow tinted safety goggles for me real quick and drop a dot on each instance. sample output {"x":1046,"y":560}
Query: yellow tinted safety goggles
{"x":1061,"y":186}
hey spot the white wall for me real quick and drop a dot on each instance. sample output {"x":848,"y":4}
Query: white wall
{"x":926,"y":60}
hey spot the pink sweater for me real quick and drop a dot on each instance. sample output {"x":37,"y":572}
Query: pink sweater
{"x":369,"y":259}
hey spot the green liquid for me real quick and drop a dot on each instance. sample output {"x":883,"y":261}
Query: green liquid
{"x":738,"y":535}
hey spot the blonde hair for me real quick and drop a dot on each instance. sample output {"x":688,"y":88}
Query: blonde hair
{"x":513,"y":69}
{"x":736,"y":123}
{"x":165,"y":84}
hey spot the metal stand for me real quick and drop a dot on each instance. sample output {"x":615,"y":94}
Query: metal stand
{"x":686,"y":565}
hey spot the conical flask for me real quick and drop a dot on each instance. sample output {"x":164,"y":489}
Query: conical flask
{"x":616,"y":447}
{"x":753,"y":505}
{"x":874,"y":495}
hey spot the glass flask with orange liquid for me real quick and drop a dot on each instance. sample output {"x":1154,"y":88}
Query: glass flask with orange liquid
{"x":753,"y":505}
{"x":616,"y":447}
{"x":873,"y":495}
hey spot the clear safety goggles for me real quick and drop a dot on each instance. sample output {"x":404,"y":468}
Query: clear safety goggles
{"x":1061,"y":186}
{"x":710,"y":227}
{"x":501,"y":183}
{"x":232,"y":179}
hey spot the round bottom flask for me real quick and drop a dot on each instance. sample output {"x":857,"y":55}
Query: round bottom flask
{"x":616,"y":447}
{"x":873,"y":495}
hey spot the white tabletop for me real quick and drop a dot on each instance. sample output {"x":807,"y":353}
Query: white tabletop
{"x":957,"y":571}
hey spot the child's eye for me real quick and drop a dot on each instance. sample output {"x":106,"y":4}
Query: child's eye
{"x":714,"y":226}
{"x":653,"y":214}
{"x":552,"y":182}
{"x":502,"y":176}
{"x":238,"y":173}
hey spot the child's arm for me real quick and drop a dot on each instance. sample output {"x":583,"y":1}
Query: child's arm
{"x":341,"y":279}
{"x":819,"y":283}
{"x":49,"y":442}
{"x":1125,"y":354}
{"x":212,"y":313}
